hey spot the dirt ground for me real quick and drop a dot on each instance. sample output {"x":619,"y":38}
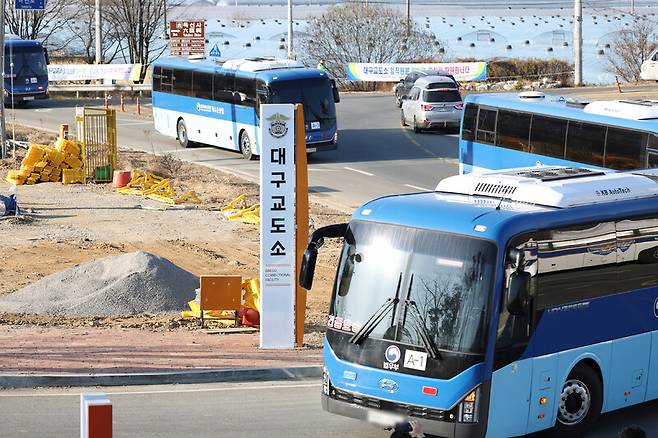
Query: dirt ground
{"x":65,"y":225}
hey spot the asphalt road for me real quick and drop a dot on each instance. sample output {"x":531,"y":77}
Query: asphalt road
{"x":275,"y":409}
{"x":375,"y":156}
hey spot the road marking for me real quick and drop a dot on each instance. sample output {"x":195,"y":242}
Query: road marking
{"x":359,"y":171}
{"x":135,"y":123}
{"x":169,"y":391}
{"x":422,"y":189}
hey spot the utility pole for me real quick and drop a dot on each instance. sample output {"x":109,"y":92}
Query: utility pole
{"x":290,"y":29}
{"x":3,"y":147}
{"x":97,"y":16}
{"x":578,"y":43}
{"x":166,"y":25}
{"x":408,"y":18}
{"x":632,"y":7}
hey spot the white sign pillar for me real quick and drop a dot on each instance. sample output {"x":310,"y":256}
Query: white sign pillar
{"x":277,"y":226}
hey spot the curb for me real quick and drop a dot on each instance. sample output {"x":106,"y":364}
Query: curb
{"x":200,"y":376}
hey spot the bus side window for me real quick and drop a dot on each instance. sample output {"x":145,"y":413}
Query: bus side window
{"x":624,"y":149}
{"x":156,"y":77}
{"x":166,"y":80}
{"x":486,"y":127}
{"x":245,"y":89}
{"x":585,"y":143}
{"x":547,"y":136}
{"x":182,"y":82}
{"x":202,"y":85}
{"x":470,"y":119}
{"x":222,"y":88}
{"x":513,"y":130}
{"x":637,"y":251}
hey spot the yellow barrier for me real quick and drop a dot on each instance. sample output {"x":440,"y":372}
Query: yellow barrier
{"x":156,"y":187}
{"x":250,"y":300}
{"x":234,"y":212}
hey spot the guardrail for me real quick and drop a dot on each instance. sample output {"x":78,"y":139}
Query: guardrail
{"x":134,"y":88}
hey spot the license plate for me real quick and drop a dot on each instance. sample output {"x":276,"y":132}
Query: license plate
{"x":315,"y":125}
{"x":311,"y":150}
{"x":28,"y":97}
{"x":383,"y":418}
{"x":442,"y":108}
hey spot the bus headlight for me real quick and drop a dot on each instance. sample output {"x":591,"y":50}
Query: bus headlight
{"x":336,"y":137}
{"x":468,"y":408}
{"x":325,"y":381}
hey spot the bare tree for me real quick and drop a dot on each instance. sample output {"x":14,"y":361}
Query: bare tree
{"x":136,"y":25}
{"x":358,"y":32}
{"x":45,"y":26}
{"x":83,"y":36}
{"x":631,"y":47}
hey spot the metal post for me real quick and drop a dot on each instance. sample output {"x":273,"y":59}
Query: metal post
{"x":578,"y":43}
{"x":408,"y":18}
{"x":632,"y":7}
{"x":97,"y":16}
{"x":290,"y":29}
{"x":3,"y":147}
{"x":166,"y":25}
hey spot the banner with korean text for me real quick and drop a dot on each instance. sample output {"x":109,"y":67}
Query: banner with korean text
{"x":462,"y":71}
{"x":89,"y":72}
{"x":277,"y":226}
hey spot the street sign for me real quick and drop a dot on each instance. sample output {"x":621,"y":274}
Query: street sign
{"x":215,"y":52}
{"x":30,"y":5}
{"x":187,"y":37}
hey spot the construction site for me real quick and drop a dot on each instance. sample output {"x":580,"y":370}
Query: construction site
{"x":102,"y":276}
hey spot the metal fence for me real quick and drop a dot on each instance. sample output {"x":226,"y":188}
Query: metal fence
{"x":96,"y":130}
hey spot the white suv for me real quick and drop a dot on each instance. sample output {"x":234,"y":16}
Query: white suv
{"x":433,"y":102}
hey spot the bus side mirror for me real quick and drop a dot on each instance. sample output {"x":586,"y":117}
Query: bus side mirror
{"x":517,"y":293}
{"x":334,"y":90}
{"x":307,"y":270}
{"x":45,"y":54}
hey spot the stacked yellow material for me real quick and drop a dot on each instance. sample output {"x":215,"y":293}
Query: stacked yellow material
{"x":44,"y":163}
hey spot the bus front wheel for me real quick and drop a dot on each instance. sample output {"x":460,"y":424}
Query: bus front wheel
{"x":181,"y":130}
{"x":579,"y":403}
{"x":246,"y":146}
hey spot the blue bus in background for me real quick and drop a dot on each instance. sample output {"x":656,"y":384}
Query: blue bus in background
{"x":26,"y":70}
{"x":504,"y":130}
{"x":218,"y":103}
{"x":499,"y":305}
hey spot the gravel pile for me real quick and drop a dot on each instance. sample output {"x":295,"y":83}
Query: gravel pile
{"x":126,"y":284}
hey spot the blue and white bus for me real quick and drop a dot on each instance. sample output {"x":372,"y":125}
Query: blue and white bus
{"x":218,"y":104}
{"x":499,"y":305}
{"x":504,"y":130}
{"x":26,"y":70}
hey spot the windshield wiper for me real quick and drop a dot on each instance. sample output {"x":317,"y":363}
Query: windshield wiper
{"x":376,"y":317}
{"x":425,"y":337}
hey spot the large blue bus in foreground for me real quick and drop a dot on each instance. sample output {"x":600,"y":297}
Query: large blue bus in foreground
{"x":218,"y":103}
{"x":498,"y":305}
{"x":504,"y":130}
{"x":26,"y":70}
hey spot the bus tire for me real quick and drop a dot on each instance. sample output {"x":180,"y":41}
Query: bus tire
{"x":648,"y":255}
{"x":246,"y":146}
{"x":579,"y":403}
{"x":181,"y":133}
{"x":403,"y":122}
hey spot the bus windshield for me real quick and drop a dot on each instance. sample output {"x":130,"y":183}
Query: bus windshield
{"x":447,"y":277}
{"x":28,"y":62}
{"x":314,"y":94}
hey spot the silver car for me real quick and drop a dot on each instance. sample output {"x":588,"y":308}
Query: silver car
{"x":433,"y":102}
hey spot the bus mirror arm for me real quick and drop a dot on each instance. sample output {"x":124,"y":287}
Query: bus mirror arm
{"x":45,"y":54}
{"x":307,"y":270}
{"x":334,"y":90}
